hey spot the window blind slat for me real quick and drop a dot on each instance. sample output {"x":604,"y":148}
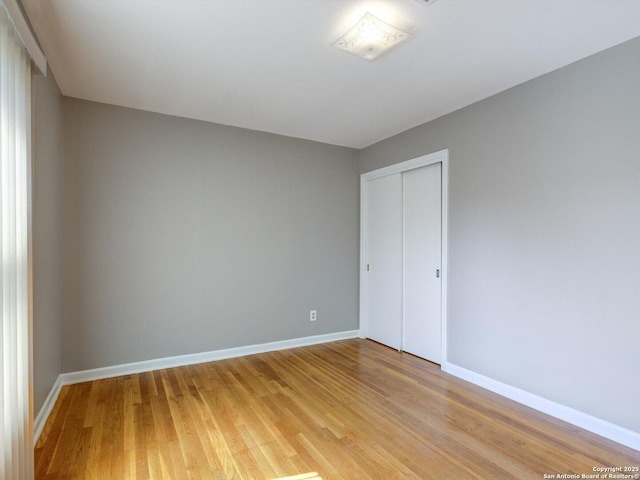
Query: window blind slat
{"x":16,"y":449}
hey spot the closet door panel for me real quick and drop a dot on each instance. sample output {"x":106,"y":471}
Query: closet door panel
{"x":422,"y":257}
{"x":383,"y":301}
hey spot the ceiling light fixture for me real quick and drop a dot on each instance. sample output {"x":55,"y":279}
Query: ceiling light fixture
{"x":370,"y":38}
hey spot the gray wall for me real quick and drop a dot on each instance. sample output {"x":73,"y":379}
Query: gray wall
{"x":544,"y":232}
{"x":47,"y":235}
{"x":184,"y":236}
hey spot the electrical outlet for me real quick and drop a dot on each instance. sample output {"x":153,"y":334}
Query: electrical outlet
{"x":313,"y":315}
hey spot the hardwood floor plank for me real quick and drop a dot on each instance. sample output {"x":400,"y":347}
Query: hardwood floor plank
{"x":347,"y":410}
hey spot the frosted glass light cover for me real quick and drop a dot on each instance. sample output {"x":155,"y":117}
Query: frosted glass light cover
{"x":370,"y":38}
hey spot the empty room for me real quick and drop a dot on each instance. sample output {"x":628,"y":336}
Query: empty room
{"x":320,"y":239}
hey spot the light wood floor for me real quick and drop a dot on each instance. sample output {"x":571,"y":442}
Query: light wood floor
{"x":352,"y":410}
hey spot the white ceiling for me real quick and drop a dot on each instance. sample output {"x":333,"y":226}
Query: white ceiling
{"x":268,"y":64}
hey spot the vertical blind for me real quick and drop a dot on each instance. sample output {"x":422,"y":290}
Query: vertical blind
{"x":16,"y":438}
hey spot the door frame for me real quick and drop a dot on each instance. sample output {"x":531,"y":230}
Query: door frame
{"x":442,"y":157}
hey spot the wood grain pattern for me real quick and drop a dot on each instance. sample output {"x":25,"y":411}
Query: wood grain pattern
{"x":347,"y":410}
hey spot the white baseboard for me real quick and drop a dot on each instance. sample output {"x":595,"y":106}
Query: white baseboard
{"x":580,"y":419}
{"x":203,"y":357}
{"x":170,"y":362}
{"x":46,"y":409}
{"x":595,"y":425}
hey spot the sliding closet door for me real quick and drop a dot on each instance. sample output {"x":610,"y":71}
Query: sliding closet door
{"x":384,"y":260}
{"x":422,"y":257}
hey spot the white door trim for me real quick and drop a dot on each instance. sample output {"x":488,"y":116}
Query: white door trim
{"x":442,"y":157}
